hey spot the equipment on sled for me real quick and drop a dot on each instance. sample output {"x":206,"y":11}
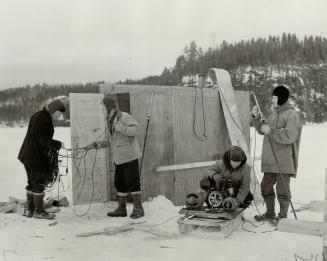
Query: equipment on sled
{"x":215,"y":195}
{"x":220,"y":213}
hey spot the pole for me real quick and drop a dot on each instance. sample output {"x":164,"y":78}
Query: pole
{"x":146,"y":131}
{"x":276,"y":160}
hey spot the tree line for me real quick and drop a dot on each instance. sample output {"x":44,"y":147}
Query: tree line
{"x":18,"y":104}
{"x":301,"y":64}
{"x":255,"y":65}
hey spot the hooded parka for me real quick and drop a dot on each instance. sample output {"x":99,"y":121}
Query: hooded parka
{"x":285,"y":136}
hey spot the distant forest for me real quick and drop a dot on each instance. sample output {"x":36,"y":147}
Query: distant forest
{"x":254,"y":65}
{"x":18,"y":104}
{"x":284,"y":50}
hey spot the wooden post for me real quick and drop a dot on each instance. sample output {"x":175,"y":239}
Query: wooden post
{"x":324,"y":239}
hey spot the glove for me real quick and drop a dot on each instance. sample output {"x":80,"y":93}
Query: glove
{"x":63,"y":146}
{"x":94,"y":145}
{"x":255,"y":112}
{"x":265,"y":128}
{"x":119,"y":127}
{"x":206,"y":183}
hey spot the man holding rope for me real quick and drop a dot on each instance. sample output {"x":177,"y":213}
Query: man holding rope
{"x":35,"y":155}
{"x":279,"y":160}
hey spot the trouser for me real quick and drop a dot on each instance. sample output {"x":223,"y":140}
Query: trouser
{"x":283,"y":192}
{"x":36,"y":180}
{"x":127,"y":177}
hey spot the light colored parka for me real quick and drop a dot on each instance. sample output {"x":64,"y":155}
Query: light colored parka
{"x":124,"y":144}
{"x":285,"y":136}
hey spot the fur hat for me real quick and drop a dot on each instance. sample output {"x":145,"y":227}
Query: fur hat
{"x":282,"y":93}
{"x":109,"y":102}
{"x":236,"y":154}
{"x":56,"y":105}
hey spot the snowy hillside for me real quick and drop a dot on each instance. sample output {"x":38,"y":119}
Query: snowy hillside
{"x":156,"y":236}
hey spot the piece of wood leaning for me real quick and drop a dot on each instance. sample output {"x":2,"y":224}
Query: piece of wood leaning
{"x":232,"y":116}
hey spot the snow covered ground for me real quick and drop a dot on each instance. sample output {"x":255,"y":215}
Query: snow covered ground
{"x":156,"y":236}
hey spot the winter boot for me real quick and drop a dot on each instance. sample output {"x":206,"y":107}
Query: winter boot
{"x":284,"y":205}
{"x":137,"y":209}
{"x":121,"y":210}
{"x":270,"y":213}
{"x":39,"y":208}
{"x":29,"y":207}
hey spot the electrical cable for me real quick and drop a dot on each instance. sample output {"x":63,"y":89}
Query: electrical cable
{"x":204,"y":135}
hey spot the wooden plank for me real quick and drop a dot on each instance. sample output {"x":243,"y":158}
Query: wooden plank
{"x":89,"y":177}
{"x":314,"y":206}
{"x":302,"y":227}
{"x":106,"y":231}
{"x":209,"y":213}
{"x":185,"y":166}
{"x":232,"y":116}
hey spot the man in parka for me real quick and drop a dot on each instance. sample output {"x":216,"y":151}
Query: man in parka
{"x":232,"y":167}
{"x":35,"y":154}
{"x":123,"y":129}
{"x":283,"y":128}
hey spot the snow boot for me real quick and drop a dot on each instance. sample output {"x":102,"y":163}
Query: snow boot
{"x":121,"y":209}
{"x":137,"y":209}
{"x":284,"y":205}
{"x":39,"y":212}
{"x":270,"y":213}
{"x":29,"y":207}
{"x":265,"y":217}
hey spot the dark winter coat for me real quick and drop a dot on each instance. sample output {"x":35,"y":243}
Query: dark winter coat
{"x":240,"y":177}
{"x":38,"y":142}
{"x":285,"y":136}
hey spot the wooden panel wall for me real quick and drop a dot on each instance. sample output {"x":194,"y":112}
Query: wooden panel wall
{"x":171,"y":139}
{"x":89,"y":177}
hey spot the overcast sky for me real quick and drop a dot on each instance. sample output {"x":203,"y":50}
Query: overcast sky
{"x":78,"y":41}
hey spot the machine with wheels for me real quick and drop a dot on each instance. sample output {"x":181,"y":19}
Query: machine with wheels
{"x":219,"y":211}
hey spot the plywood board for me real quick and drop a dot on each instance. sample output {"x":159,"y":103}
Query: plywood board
{"x":158,"y":148}
{"x":89,"y":177}
{"x":171,"y":140}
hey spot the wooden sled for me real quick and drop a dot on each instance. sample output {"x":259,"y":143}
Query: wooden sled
{"x":225,"y":222}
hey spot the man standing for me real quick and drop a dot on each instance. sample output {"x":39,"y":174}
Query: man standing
{"x":282,"y":132}
{"x":35,"y":154}
{"x":123,"y":129}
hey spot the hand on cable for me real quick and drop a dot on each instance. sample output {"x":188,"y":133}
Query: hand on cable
{"x":92,"y":145}
{"x":255,"y":112}
{"x":265,"y":128}
{"x":119,"y":126}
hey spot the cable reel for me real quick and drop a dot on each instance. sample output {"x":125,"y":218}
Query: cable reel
{"x":214,"y":199}
{"x":194,"y":200}
{"x":229,"y":204}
